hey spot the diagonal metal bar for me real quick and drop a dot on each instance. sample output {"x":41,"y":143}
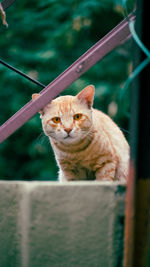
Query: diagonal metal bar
{"x":113,"y":39}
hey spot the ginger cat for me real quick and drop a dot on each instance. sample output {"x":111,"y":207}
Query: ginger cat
{"x":87,"y":144}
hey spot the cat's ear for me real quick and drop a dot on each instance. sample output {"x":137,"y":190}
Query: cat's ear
{"x":87,"y":95}
{"x":34,"y":97}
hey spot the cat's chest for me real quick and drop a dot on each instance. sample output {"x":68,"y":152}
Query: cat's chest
{"x":80,"y":168}
{"x":77,"y":164}
{"x":84,"y":161}
{"x":84,"y":173}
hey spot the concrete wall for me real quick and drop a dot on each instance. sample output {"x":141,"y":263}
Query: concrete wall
{"x":47,"y":224}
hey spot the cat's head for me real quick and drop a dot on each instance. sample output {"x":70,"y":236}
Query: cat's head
{"x":68,"y":119}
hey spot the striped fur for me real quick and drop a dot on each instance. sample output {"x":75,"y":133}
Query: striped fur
{"x":87,"y":144}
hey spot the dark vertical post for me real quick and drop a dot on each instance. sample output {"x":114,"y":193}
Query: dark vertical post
{"x":142,"y":208}
{"x":137,"y":228}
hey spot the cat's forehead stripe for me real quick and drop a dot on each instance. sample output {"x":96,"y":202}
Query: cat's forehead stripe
{"x":65,"y":107}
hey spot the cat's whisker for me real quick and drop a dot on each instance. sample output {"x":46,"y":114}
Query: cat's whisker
{"x":42,"y":139}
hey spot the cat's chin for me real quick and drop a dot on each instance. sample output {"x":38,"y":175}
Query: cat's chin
{"x":69,"y":140}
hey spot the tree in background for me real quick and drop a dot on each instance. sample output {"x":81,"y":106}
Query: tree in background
{"x":43,"y":39}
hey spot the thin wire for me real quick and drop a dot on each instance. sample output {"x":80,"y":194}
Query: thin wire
{"x":5,"y":4}
{"x":142,"y":47}
{"x":21,"y":73}
{"x":124,"y":4}
{"x":137,"y":39}
{"x":142,"y":64}
{"x":133,"y":75}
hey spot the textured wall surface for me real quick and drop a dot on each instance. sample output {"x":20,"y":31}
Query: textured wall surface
{"x":66,"y":225}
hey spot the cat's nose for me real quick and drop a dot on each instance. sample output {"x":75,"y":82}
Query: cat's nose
{"x":68,"y":130}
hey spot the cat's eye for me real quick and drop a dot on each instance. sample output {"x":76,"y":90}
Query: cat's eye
{"x":56,"y":120}
{"x":77,"y":116}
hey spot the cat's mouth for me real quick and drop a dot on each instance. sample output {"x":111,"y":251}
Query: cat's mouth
{"x":67,"y":137}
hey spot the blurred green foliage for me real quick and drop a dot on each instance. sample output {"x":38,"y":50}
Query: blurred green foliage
{"x":43,"y":39}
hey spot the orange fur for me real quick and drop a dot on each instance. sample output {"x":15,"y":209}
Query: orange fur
{"x":88,"y":148}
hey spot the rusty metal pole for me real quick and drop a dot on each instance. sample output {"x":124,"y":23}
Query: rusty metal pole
{"x":137,"y":227}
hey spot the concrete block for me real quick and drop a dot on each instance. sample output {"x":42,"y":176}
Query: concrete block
{"x":10,"y":254}
{"x":69,"y":224}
